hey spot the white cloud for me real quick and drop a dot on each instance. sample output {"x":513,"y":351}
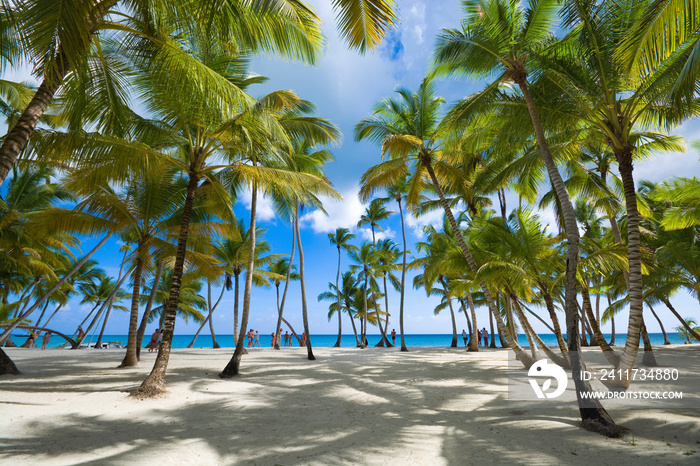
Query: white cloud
{"x":417,"y":223}
{"x":366,"y":234}
{"x":341,"y":214}
{"x":264,"y":210}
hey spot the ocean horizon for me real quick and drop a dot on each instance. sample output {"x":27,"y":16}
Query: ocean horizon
{"x":328,"y":340}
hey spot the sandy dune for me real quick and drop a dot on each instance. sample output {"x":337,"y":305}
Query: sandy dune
{"x":376,"y":406}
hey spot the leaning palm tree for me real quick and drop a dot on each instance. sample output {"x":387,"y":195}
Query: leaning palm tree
{"x":341,"y":240}
{"x":56,"y":40}
{"x":501,"y":38}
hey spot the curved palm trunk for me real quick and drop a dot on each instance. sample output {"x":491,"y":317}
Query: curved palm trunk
{"x":403,"y":277}
{"x":562,"y":360}
{"x":304,"y":311}
{"x":594,"y":418}
{"x":338,"y":310}
{"x":233,"y":367}
{"x":663,"y":330}
{"x":154,"y":384}
{"x":108,"y":313}
{"x":280,"y":306}
{"x":199,"y":330}
{"x":131,"y":358}
{"x":512,"y":343}
{"x":208,"y":319}
{"x":147,"y":312}
{"x":473,"y":341}
{"x":294,"y":333}
{"x":43,"y":311}
{"x":549,"y":303}
{"x":610,"y":354}
{"x":16,"y":139}
{"x":6,"y":334}
{"x":107,"y":305}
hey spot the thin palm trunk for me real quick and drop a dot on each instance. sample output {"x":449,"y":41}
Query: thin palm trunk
{"x":610,"y":354}
{"x":236,"y":274}
{"x":474,"y":329}
{"x":511,"y":341}
{"x":107,"y":304}
{"x":663,"y":330}
{"x":648,"y":359}
{"x":131,"y":358}
{"x":6,"y":334}
{"x":338,"y":309}
{"x":233,"y":367}
{"x":549,"y":303}
{"x":53,"y":314}
{"x":304,"y":311}
{"x":681,"y":319}
{"x":354,"y":328}
{"x":280,"y":306}
{"x":403,"y":277}
{"x":214,"y":343}
{"x":562,"y":360}
{"x":363,"y":321}
{"x":594,"y":416}
{"x":154,"y":384}
{"x":147,"y":312}
{"x":493,"y":334}
{"x":452,"y":313}
{"x":383,"y":330}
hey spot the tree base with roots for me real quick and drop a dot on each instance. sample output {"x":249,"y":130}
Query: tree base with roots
{"x":7,"y":366}
{"x":599,"y":422}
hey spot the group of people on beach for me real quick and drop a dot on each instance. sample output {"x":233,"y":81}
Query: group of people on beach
{"x":480,"y":334}
{"x":44,"y":340}
{"x":277,"y":339}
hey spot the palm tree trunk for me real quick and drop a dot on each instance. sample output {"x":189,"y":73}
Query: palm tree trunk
{"x":43,"y":311}
{"x":53,"y":314}
{"x":634,"y":258}
{"x":214,"y":343}
{"x":199,"y":330}
{"x":236,"y":274}
{"x":233,"y":367}
{"x":595,"y":417}
{"x":609,"y":353}
{"x":384,"y":340}
{"x":7,"y":366}
{"x":681,"y":319}
{"x":108,"y":312}
{"x":363,"y":321}
{"x":403,"y":277}
{"x":474,"y":330}
{"x":147,"y":312}
{"x":131,"y":359}
{"x":354,"y":328}
{"x":663,"y":330}
{"x":338,"y":310}
{"x":154,"y":384}
{"x":562,"y":360}
{"x":452,"y":313}
{"x":304,"y":311}
{"x":6,"y":334}
{"x":648,"y":359}
{"x":294,"y":333}
{"x":511,"y":341}
{"x":105,"y":305}
{"x":549,"y":303}
{"x":280,"y":307}
{"x":493,"y":334}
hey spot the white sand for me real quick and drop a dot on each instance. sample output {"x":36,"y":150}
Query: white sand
{"x":375,"y":406}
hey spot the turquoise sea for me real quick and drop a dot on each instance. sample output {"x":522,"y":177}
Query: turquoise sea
{"x":414,"y":340}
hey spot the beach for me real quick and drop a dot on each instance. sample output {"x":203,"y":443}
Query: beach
{"x":436,"y":406}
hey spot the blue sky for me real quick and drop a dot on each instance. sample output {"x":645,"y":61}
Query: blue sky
{"x":344,"y":87}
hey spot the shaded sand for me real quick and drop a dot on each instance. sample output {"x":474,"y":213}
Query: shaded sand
{"x":431,"y":406}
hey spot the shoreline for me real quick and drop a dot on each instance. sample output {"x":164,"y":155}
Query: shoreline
{"x":371,"y":406}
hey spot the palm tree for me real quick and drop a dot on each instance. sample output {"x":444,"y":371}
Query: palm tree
{"x":409,"y":131}
{"x":347,"y":293}
{"x":683,"y":333}
{"x":387,"y":254}
{"x":501,"y":38}
{"x":374,"y":214}
{"x":397,"y":192}
{"x":340,"y":239}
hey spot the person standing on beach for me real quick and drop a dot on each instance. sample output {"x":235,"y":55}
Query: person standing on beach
{"x":303,"y":340}
{"x":154,"y":341}
{"x":486,"y":336}
{"x":45,"y":340}
{"x":81,"y":334}
{"x":273,"y":339}
{"x":464,"y":337}
{"x":287,"y":339}
{"x":160,"y":337}
{"x":257,"y":339}
{"x":393,"y":336}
